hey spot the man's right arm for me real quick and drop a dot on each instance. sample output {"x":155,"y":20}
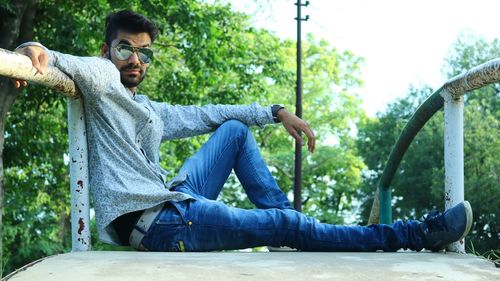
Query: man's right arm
{"x":89,"y":73}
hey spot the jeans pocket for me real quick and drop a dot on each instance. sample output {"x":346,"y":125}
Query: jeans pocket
{"x":170,"y":215}
{"x":166,"y":233}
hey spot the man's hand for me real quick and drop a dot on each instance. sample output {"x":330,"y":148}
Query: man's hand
{"x":39,"y":58}
{"x":294,"y":125}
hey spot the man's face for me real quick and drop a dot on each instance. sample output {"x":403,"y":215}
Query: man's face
{"x":132,"y":69}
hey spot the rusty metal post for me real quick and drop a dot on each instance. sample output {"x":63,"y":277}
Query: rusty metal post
{"x":18,"y":66}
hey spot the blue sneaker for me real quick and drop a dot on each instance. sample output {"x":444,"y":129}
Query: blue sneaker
{"x":441,"y":229}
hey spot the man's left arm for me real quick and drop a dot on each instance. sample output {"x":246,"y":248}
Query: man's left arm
{"x":186,"y":121}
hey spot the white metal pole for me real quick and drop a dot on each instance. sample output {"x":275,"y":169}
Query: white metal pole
{"x":454,"y":156}
{"x":79,"y":176}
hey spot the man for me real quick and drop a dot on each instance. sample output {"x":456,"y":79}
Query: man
{"x":136,"y":205}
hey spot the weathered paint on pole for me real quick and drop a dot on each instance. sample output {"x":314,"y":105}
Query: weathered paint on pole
{"x":18,"y":66}
{"x":79,"y":176}
{"x":475,"y":78}
{"x":454,"y":155}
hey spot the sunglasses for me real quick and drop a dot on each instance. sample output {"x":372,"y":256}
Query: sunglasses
{"x":123,"y":52}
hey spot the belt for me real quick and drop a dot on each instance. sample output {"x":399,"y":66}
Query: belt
{"x":143,"y":225}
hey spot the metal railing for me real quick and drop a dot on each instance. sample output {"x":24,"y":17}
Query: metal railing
{"x":451,"y":96}
{"x":18,"y":66}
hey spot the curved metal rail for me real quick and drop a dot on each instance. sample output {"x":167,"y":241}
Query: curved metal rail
{"x":451,"y":96}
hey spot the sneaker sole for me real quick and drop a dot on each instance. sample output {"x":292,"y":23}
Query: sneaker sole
{"x":468,"y":215}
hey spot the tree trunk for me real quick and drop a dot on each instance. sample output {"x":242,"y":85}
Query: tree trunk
{"x":15,"y":26}
{"x":375,"y":211}
{"x":64,"y":226}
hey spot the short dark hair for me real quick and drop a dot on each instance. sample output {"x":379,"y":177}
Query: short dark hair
{"x":128,"y":21}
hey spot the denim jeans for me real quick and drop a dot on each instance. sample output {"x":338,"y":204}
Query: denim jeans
{"x":204,"y":224}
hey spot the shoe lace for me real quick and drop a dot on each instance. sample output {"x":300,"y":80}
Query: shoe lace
{"x":435,"y":221}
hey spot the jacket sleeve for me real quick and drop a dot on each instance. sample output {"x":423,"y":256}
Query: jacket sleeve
{"x":186,"y":121}
{"x":91,"y":74}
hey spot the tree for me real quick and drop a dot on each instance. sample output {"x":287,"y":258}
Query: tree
{"x":332,"y":175}
{"x":205,"y":54}
{"x":37,"y":201}
{"x":16,"y":25}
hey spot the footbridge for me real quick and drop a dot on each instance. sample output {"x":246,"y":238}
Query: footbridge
{"x":133,"y":266}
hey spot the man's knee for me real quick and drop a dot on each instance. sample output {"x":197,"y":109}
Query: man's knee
{"x":235,"y":126}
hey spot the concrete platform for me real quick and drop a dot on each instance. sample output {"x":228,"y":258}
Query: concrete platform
{"x":139,"y":266}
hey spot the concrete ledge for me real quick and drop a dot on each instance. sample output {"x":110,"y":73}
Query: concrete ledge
{"x":140,"y":266}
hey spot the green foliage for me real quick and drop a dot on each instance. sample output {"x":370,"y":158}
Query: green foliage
{"x":331,"y":176}
{"x":205,"y":54}
{"x":419,"y":183}
{"x":36,"y":204}
{"x":415,"y":175}
{"x":7,"y":6}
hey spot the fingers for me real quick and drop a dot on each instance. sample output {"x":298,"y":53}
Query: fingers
{"x":311,"y":139}
{"x":44,"y":61}
{"x":39,"y":63}
{"x":19,"y":83}
{"x":38,"y":56}
{"x":294,"y":129}
{"x":296,"y":135}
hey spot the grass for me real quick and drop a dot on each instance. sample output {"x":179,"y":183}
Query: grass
{"x":492,"y":255}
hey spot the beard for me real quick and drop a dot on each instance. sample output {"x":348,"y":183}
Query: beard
{"x":129,"y":80}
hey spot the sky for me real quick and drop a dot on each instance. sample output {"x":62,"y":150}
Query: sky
{"x":403,"y":42}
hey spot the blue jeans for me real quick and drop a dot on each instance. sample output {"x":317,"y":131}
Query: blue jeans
{"x":204,"y":224}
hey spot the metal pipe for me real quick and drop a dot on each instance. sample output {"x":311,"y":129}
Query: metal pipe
{"x":385,"y":205}
{"x":425,"y":111}
{"x":475,"y":78}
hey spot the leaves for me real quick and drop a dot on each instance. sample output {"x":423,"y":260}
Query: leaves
{"x":205,"y":53}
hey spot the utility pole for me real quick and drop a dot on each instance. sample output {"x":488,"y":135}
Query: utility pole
{"x":297,"y":181}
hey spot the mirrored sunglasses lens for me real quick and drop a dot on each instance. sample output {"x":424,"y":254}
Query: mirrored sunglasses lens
{"x":145,"y":55}
{"x":123,"y":53}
